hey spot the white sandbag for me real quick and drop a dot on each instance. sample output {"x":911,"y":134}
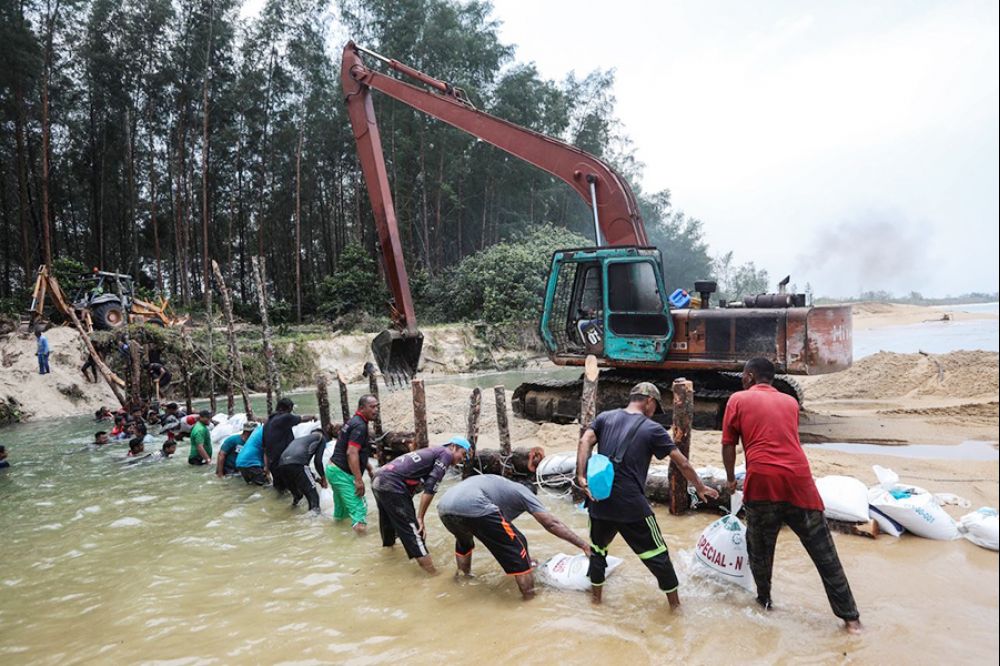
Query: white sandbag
{"x":886,"y":525}
{"x":722,"y":548}
{"x":557,"y":464}
{"x":326,"y":500}
{"x":844,"y":498}
{"x":304,"y":428}
{"x":912,"y":507}
{"x":981,"y":528}
{"x":237,"y":420}
{"x":220,"y":418}
{"x":221,"y":431}
{"x":569,"y":572}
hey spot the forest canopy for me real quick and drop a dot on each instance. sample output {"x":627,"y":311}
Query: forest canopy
{"x":152,"y":136}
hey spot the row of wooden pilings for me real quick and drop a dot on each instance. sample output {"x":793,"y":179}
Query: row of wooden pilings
{"x":520,"y":463}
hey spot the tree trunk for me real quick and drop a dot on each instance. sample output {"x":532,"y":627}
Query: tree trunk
{"x":373,"y":390}
{"x":113,"y":380}
{"x":419,"y":413}
{"x":207,"y":285}
{"x":209,"y":324}
{"x":186,"y":358}
{"x":234,"y":349}
{"x":51,"y":16}
{"x":23,"y":203}
{"x":298,"y":232}
{"x":273,"y":379}
{"x":323,"y":401}
{"x":683,"y":412}
{"x":588,"y":400}
{"x":345,"y":407}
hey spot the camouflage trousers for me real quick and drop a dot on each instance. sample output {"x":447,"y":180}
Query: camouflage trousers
{"x":764,"y":521}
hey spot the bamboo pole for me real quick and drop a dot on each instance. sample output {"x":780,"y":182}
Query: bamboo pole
{"x":683,"y":413}
{"x":273,"y":379}
{"x":419,"y":414}
{"x":345,"y":407}
{"x":588,"y":399}
{"x":472,"y":429}
{"x":503,"y":428}
{"x":323,"y":402}
{"x":235,"y":360}
{"x":185,"y":372}
{"x":114,"y":381}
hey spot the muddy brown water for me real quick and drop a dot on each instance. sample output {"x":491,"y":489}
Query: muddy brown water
{"x":164,"y":563}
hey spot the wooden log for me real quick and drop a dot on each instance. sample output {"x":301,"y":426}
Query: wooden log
{"x":185,"y":371}
{"x":472,"y":428}
{"x":323,"y":401}
{"x":235,"y":360}
{"x":588,"y":399}
{"x":345,"y":407}
{"x":114,"y":381}
{"x":683,"y":413}
{"x":135,"y":372}
{"x":420,"y":414}
{"x":373,"y":390}
{"x":273,"y":379}
{"x":521,"y":462}
{"x":503,"y":427}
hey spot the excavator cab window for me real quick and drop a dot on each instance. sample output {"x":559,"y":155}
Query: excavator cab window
{"x":639,"y":324}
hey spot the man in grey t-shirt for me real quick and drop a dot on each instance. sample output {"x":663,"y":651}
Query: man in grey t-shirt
{"x":483,"y":507}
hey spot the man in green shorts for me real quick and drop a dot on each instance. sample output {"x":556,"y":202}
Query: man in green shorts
{"x":347,"y":464}
{"x":201,"y":440}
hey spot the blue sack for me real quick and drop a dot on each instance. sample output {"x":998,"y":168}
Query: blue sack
{"x":600,"y":476}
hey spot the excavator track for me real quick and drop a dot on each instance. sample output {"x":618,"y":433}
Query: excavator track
{"x":558,"y":401}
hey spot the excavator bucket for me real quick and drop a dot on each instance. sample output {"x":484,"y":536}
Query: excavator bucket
{"x":397,"y":354}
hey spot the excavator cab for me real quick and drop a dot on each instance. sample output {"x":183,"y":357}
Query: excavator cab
{"x":609,"y":302}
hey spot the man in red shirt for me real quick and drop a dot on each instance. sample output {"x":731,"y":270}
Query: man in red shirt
{"x":779,"y":487}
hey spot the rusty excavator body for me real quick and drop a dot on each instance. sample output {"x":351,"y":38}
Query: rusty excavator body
{"x":608,"y":300}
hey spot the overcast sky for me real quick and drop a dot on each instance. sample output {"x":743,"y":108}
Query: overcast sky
{"x":851,"y":144}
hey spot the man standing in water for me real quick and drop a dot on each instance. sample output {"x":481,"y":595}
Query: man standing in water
{"x":630,"y":435}
{"x":201,"y":440}
{"x":278,"y":435}
{"x":292,"y":468}
{"x":394,"y":486}
{"x":348,"y":462}
{"x":484,"y":506}
{"x":779,"y":487}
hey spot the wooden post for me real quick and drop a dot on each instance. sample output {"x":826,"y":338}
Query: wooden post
{"x":114,"y":381}
{"x":419,"y":414}
{"x":210,"y":343}
{"x":185,"y":372}
{"x":273,"y":379}
{"x":503,"y":428}
{"x":683,"y":412}
{"x":373,"y":390}
{"x":235,"y":360}
{"x":588,"y":399}
{"x":472,"y":429}
{"x":345,"y":407}
{"x":323,"y":401}
{"x":135,"y":372}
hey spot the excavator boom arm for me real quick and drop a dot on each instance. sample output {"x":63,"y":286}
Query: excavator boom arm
{"x":609,"y":196}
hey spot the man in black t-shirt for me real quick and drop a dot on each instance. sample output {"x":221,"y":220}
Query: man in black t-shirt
{"x":348,"y":463}
{"x":278,"y":435}
{"x":630,"y":434}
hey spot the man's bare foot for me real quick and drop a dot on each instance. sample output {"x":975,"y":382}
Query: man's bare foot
{"x":360,"y":529}
{"x":853,"y":627}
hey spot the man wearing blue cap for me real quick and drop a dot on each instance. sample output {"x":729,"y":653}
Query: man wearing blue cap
{"x":396,"y":483}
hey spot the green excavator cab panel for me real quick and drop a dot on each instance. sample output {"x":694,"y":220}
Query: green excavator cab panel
{"x":609,"y":302}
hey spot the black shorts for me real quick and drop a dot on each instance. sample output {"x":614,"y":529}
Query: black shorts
{"x":255,"y":475}
{"x":196,"y":460}
{"x":397,"y":518}
{"x":645,"y":540}
{"x":502,"y":539}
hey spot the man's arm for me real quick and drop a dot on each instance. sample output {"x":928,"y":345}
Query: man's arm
{"x":318,"y":460}
{"x":677,"y":458}
{"x":556,"y":527}
{"x":583,"y":449}
{"x":425,"y":503}
{"x":219,"y":462}
{"x":371,"y":469}
{"x":729,"y":462}
{"x":354,"y":462}
{"x":202,"y":452}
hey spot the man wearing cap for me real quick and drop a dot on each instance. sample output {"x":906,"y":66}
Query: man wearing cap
{"x":630,"y":435}
{"x":201,"y":440}
{"x":779,"y":488}
{"x":293,"y":467}
{"x":396,"y":483}
{"x":484,"y":507}
{"x":230,"y":450}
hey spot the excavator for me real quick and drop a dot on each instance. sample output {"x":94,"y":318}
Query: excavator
{"x":103,"y":301}
{"x":609,"y":300}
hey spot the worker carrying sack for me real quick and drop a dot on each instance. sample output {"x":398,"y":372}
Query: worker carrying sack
{"x":601,"y":468}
